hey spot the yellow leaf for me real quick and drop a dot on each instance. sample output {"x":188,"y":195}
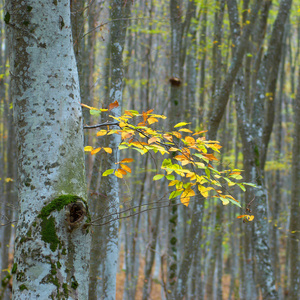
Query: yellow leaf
{"x":95,"y":151}
{"x":88,"y":148}
{"x":107,"y":149}
{"x":159,"y":116}
{"x":181,"y":124}
{"x":126,"y":168}
{"x":185,"y":130}
{"x":186,"y":195}
{"x":204,"y":190}
{"x":152,"y":120}
{"x":8,"y":179}
{"x":118,"y":174}
{"x":185,"y":162}
{"x":153,"y":140}
{"x":101,"y":132}
{"x":185,"y":201}
{"x":173,"y":149}
{"x":224,"y":201}
{"x":173,"y":182}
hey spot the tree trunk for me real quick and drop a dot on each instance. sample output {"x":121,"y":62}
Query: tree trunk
{"x":52,"y":240}
{"x":294,"y":230}
{"x":106,"y":202}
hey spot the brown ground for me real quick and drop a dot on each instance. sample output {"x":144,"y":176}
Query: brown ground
{"x":156,"y":287}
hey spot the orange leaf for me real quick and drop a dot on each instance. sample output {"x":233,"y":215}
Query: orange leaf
{"x":126,"y":168}
{"x":190,"y":140}
{"x":123,"y":172}
{"x":101,"y":132}
{"x":177,"y":134}
{"x":168,"y":137}
{"x":126,"y":160}
{"x":89,"y":107}
{"x":113,"y":105}
{"x":95,"y":150}
{"x":210,"y":156}
{"x":149,"y":111}
{"x":199,"y":132}
{"x":126,"y":135}
{"x":128,"y":113}
{"x":145,"y":116}
{"x":247,"y":218}
{"x":107,"y":150}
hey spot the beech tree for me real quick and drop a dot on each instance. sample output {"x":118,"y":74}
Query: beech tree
{"x":53,"y":239}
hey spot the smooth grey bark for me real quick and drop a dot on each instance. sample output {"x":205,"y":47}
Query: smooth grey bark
{"x":104,"y":253}
{"x":52,"y":239}
{"x":294,"y":228}
{"x":179,"y":30}
{"x":221,"y":98}
{"x":203,"y":60}
{"x":150,"y":257}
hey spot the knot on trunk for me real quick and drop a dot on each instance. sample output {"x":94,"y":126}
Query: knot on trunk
{"x":75,"y":213}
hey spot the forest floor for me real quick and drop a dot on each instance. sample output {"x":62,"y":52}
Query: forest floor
{"x":156,"y":287}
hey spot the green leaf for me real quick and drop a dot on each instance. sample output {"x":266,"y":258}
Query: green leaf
{"x":170,"y":177}
{"x":242,"y":187}
{"x":121,"y":147}
{"x":175,"y":194}
{"x":250,"y":184}
{"x":158,"y":176}
{"x":108,"y":172}
{"x":167,"y":162}
{"x":234,"y":202}
{"x":94,"y":112}
{"x":207,"y":172}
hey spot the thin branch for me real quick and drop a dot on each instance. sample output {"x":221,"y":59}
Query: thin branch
{"x":101,"y":125}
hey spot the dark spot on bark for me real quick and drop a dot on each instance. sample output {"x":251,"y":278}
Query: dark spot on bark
{"x":29,"y":8}
{"x":42,"y":45}
{"x":61,"y":22}
{"x":7,"y":18}
{"x":50,"y":111}
{"x":175,"y":81}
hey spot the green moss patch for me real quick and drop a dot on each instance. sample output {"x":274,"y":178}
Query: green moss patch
{"x":23,"y":287}
{"x":57,"y":204}
{"x":49,"y":233}
{"x":14,"y":268}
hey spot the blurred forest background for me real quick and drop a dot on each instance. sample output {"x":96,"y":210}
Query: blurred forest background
{"x":230,"y":67}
